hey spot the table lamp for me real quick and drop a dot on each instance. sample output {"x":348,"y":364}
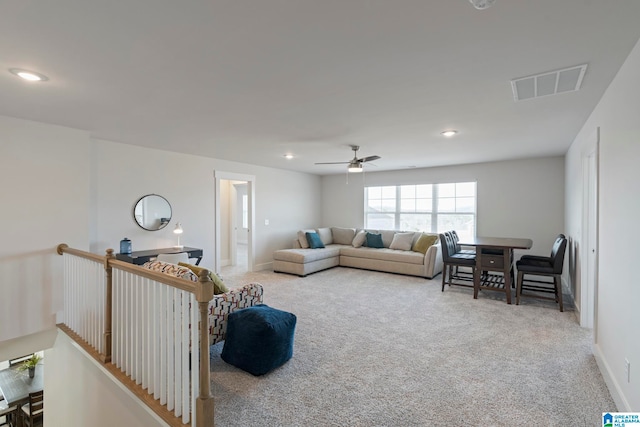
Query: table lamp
{"x":178,"y":230}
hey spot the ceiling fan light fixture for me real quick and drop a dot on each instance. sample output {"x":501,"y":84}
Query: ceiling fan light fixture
{"x":449,"y":133}
{"x":355,"y":167}
{"x":482,"y":4}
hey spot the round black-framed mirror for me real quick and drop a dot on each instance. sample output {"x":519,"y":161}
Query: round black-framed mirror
{"x":152,"y":212}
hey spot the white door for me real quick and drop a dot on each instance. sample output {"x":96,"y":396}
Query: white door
{"x":589,"y":282}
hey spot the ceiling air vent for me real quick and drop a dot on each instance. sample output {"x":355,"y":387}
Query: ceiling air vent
{"x":549,"y":83}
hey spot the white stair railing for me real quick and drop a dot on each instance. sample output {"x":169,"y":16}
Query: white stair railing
{"x":145,"y":327}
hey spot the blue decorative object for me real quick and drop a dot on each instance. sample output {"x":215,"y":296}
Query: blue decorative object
{"x":259,"y":339}
{"x":314,"y":240}
{"x":374,"y":241}
{"x":125,"y":246}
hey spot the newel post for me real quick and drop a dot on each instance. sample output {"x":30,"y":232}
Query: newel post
{"x":204,"y":402}
{"x":106,"y":357}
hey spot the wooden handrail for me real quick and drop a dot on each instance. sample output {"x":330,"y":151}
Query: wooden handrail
{"x":63,"y":248}
{"x":176,"y":282}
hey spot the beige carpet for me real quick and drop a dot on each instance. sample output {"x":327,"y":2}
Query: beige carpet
{"x":376,"y":349}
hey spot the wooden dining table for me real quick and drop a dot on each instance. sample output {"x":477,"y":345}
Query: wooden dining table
{"x":15,"y":385}
{"x":494,"y":254}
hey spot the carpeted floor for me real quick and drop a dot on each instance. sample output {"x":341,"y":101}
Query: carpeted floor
{"x":376,"y":349}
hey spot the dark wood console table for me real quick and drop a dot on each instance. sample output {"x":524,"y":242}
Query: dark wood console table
{"x":495,"y":254}
{"x":140,"y":257}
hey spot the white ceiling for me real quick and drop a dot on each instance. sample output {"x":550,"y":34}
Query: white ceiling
{"x":252,"y":80}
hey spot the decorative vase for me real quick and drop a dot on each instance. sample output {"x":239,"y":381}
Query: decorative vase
{"x":32,"y":371}
{"x":125,"y":246}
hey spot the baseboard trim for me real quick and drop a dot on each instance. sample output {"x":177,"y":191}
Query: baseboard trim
{"x":264,"y":266}
{"x":609,"y":379}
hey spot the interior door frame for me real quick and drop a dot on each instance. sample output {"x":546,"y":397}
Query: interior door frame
{"x":250,"y":180}
{"x":590,"y":181}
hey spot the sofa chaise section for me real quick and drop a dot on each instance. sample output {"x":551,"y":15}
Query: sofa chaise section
{"x":306,"y":261}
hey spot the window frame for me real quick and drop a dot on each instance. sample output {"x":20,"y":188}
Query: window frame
{"x":433,"y":214}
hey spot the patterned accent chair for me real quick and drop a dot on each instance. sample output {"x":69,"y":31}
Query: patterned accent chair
{"x":222,"y":304}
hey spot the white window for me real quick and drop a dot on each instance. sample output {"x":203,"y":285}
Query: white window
{"x":432,"y":208}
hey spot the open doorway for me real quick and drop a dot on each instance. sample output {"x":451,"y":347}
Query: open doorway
{"x":234,"y":223}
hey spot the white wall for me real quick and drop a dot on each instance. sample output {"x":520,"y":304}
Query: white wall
{"x":618,"y":295}
{"x":61,"y":186}
{"x":44,"y":172}
{"x":519,"y":198}
{"x":87,"y":395}
{"x":123,"y":173}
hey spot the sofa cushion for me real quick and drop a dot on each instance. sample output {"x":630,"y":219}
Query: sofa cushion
{"x":218,"y":286}
{"x":384,"y":254}
{"x":315,"y":242}
{"x":374,"y":241}
{"x":402,"y":241}
{"x":302,"y":238}
{"x":302,"y":256}
{"x":424,"y":242}
{"x":325,"y":235}
{"x":387,"y":237}
{"x":343,"y":236}
{"x":360,"y":239}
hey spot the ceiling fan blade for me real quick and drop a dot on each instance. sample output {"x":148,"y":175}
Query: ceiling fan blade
{"x":331,"y":163}
{"x":369,"y":159}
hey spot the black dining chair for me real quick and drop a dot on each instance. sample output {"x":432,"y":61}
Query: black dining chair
{"x":8,"y":414}
{"x":536,"y":266}
{"x":33,"y":412}
{"x":452,"y":259}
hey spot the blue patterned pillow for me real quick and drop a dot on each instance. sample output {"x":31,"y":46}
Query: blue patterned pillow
{"x":374,"y":241}
{"x":315,"y":242}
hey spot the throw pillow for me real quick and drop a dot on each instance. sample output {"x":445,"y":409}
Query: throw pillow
{"x":325,"y":235}
{"x":218,"y":286}
{"x":374,"y":241}
{"x":360,"y":239}
{"x":402,"y":241}
{"x":424,"y":242}
{"x":343,"y":236}
{"x":302,"y":238}
{"x":171,"y":269}
{"x":315,"y":242}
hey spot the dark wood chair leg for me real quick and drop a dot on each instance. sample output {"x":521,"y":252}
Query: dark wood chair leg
{"x":519,"y":287}
{"x":558,"y":283}
{"x":444,"y":276}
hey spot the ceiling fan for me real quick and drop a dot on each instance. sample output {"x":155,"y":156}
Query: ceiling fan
{"x":355,"y":164}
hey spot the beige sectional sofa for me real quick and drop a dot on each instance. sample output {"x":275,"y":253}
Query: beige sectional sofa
{"x":347,"y":247}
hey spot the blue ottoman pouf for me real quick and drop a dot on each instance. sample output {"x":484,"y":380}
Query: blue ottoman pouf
{"x":259,"y":338}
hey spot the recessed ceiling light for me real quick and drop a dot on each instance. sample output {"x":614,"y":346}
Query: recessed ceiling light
{"x":28,"y":75}
{"x":288,"y":156}
{"x":449,"y":133}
